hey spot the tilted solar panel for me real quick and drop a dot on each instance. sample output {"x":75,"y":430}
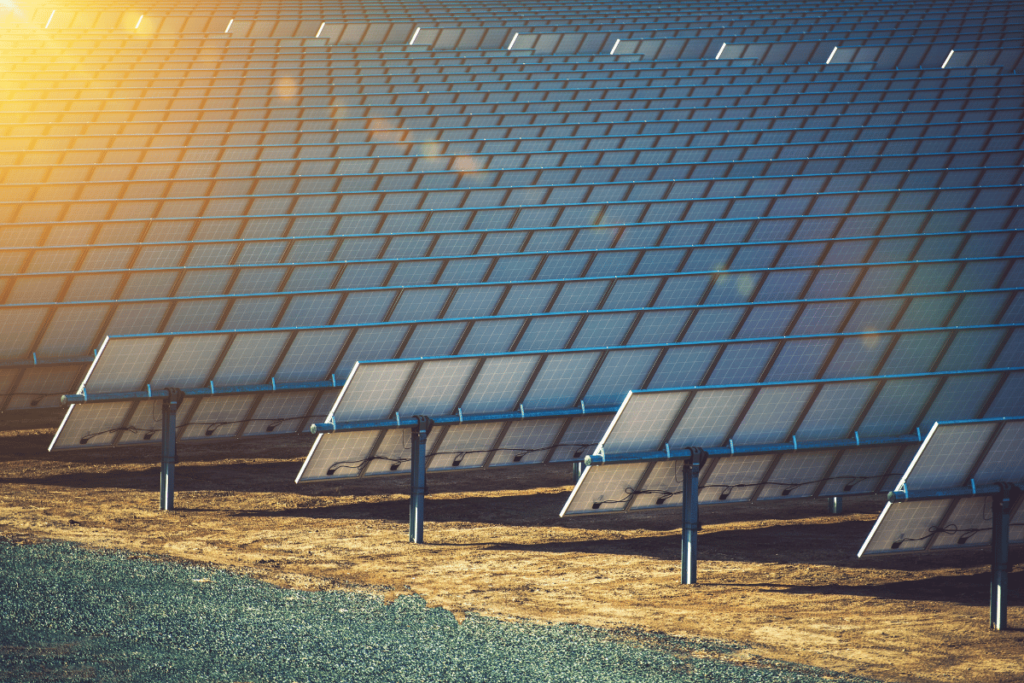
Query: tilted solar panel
{"x":955,"y":454}
{"x":767,"y":414}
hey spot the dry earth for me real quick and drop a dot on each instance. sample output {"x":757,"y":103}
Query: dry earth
{"x":782,"y":578}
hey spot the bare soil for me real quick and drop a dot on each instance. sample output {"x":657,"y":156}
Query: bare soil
{"x":782,"y":578}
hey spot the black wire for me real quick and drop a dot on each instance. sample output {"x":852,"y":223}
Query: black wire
{"x":358,"y":464}
{"x":788,"y":486}
{"x":630,"y":492}
{"x":727,"y":489}
{"x":211,"y":426}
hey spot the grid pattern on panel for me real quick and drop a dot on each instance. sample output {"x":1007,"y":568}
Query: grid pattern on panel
{"x":124,"y":364}
{"x":642,"y":423}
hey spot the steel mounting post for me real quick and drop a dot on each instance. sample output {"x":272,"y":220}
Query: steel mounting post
{"x":691,"y":513}
{"x":418,"y":478}
{"x":169,"y":443}
{"x":1002,"y":506}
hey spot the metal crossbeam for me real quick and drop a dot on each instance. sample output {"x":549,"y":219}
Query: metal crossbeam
{"x":209,"y":390}
{"x":752,"y":449}
{"x":398,"y":421}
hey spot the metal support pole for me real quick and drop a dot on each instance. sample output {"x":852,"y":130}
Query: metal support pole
{"x":835,"y":505}
{"x":169,"y":439}
{"x":418,"y":490}
{"x":577,"y":471}
{"x":691,"y":519}
{"x":1001,"y":505}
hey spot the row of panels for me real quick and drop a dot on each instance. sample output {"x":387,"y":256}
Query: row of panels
{"x":871,"y":407}
{"x":416,"y":216}
{"x":188,"y":269}
{"x":597,"y":100}
{"x":230,"y":60}
{"x":378,"y":390}
{"x":458,"y":182}
{"x":35,"y":385}
{"x":114,"y":144}
{"x":887,"y":47}
{"x":786,"y":347}
{"x":953,"y":455}
{"x":546,"y":50}
{"x":263,"y":140}
{"x":699,"y":172}
{"x":282,"y":117}
{"x":286,"y":94}
{"x":648,"y":420}
{"x":328,"y":26}
{"x":158,"y":243}
{"x":236,"y":86}
{"x":72,"y":330}
{"x":1004,"y":55}
{"x":665,"y":248}
{"x":643,"y":116}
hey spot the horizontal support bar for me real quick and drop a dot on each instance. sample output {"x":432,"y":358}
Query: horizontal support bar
{"x":209,"y":390}
{"x":904,"y":495}
{"x":753,"y":449}
{"x":522,"y":414}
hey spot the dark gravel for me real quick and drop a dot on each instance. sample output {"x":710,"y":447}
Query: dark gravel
{"x":67,"y":614}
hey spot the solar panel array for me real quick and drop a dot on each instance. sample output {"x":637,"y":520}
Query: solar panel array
{"x":955,"y":454}
{"x":484,"y":205}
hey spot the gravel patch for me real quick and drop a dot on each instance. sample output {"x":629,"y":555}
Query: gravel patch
{"x":69,"y":614}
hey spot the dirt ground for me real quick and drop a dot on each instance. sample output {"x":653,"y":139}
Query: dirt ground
{"x":783,"y":577}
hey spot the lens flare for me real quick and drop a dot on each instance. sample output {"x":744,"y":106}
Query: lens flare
{"x":287,"y":89}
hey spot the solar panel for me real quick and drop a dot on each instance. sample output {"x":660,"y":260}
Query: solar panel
{"x":778,"y":417}
{"x":961,"y":490}
{"x":954,"y":455}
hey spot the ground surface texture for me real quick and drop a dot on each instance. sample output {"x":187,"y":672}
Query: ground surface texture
{"x":782,"y":578}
